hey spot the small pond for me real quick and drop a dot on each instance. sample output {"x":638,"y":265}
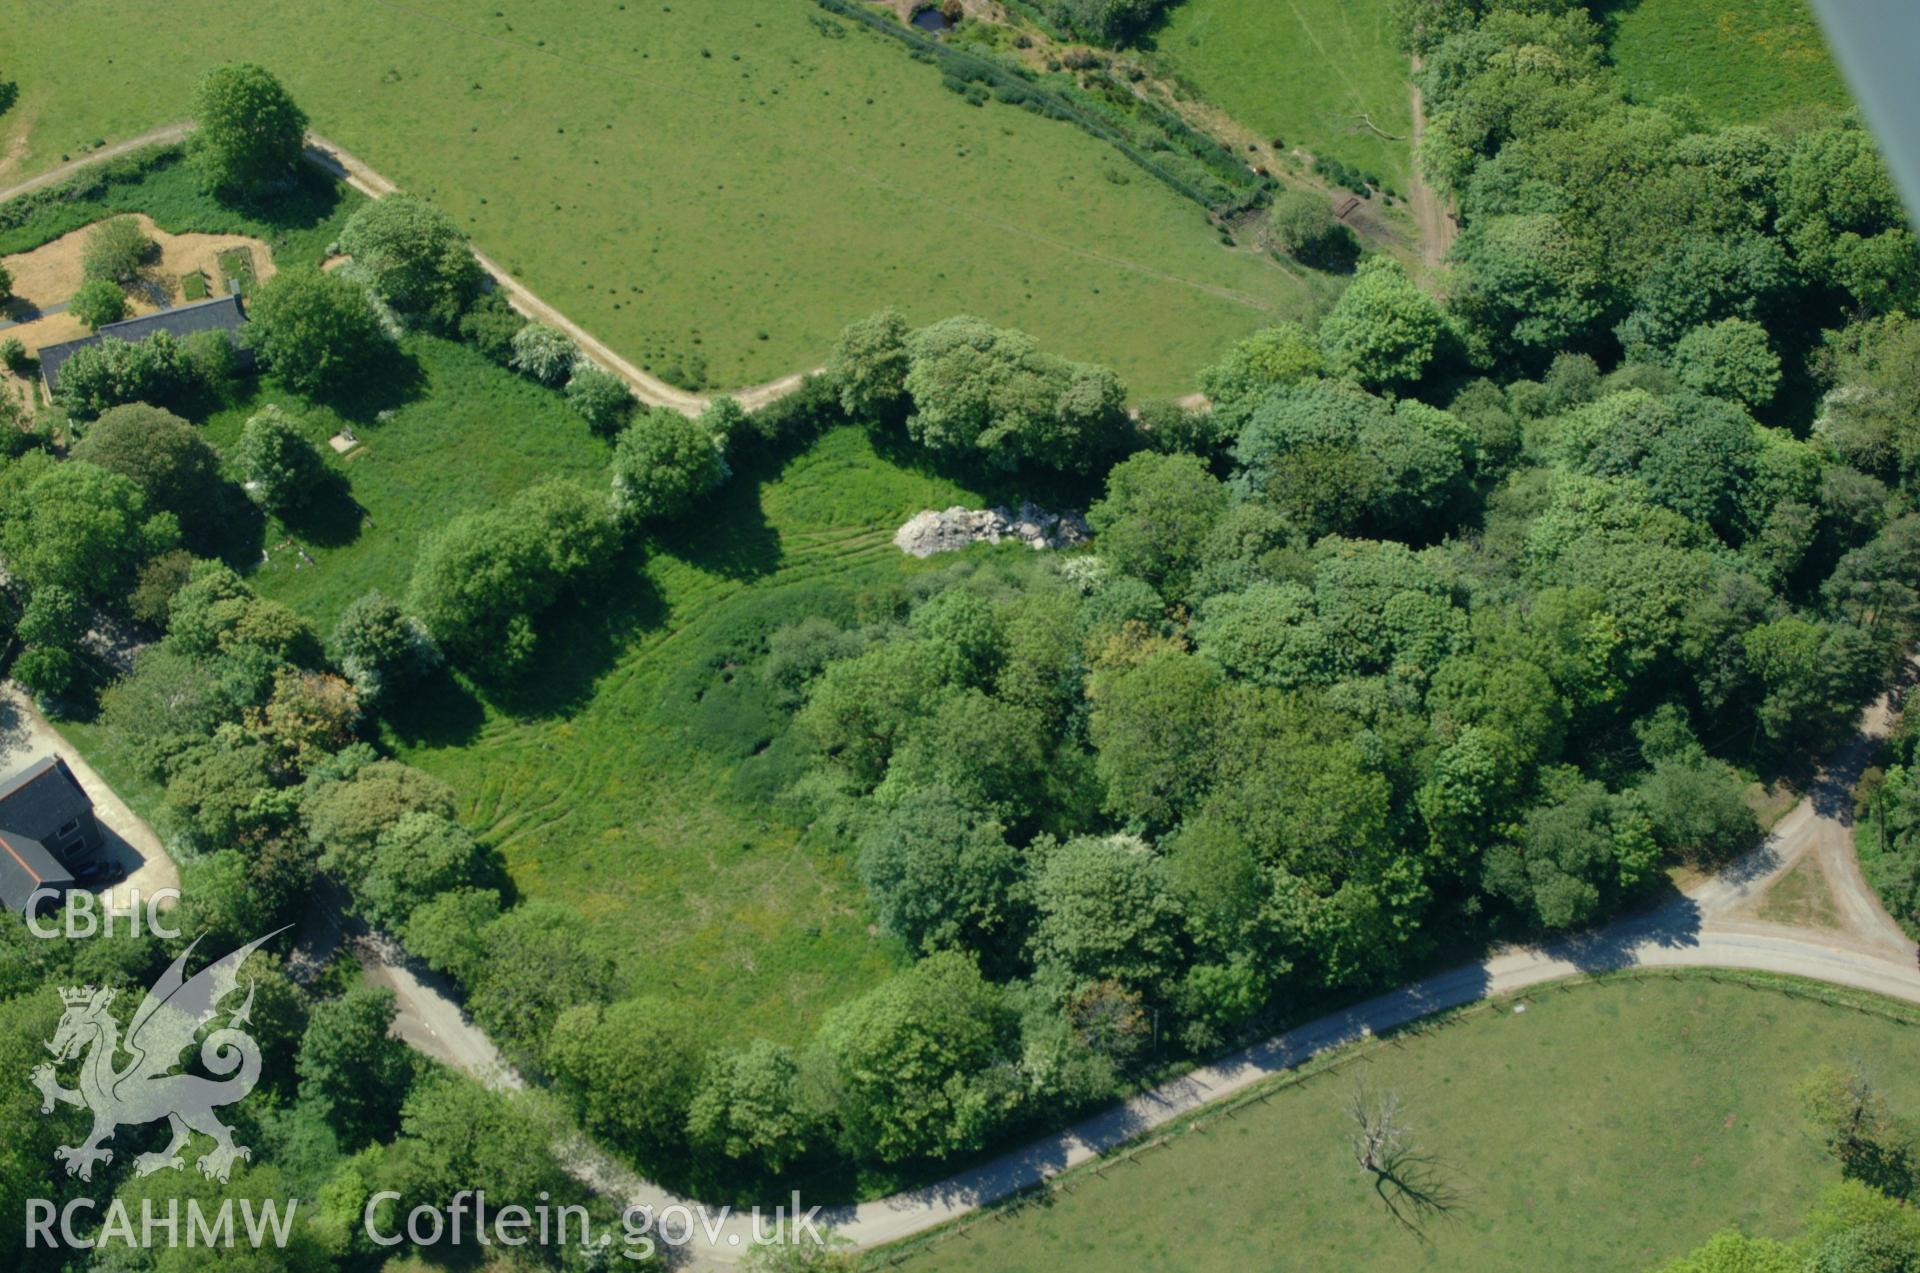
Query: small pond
{"x":930,"y":19}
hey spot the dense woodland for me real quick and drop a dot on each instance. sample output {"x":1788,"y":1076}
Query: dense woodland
{"x":1447,"y":622}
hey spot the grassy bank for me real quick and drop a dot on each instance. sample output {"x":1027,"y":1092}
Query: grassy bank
{"x":1305,"y":71}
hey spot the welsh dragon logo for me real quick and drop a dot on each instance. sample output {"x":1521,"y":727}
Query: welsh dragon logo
{"x":145,"y":1089}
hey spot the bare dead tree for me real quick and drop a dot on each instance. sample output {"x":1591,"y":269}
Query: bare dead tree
{"x":1380,"y":1133}
{"x":1409,"y":1183}
{"x":1367,"y":119}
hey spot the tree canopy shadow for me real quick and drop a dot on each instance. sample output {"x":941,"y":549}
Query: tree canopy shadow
{"x":391,"y":378}
{"x":1608,"y":14}
{"x":18,"y":309}
{"x":727,"y":533}
{"x":437,"y":711}
{"x":232,"y":529}
{"x":1672,"y":922}
{"x":330,"y":517}
{"x":1051,"y":489}
{"x":305,"y":199}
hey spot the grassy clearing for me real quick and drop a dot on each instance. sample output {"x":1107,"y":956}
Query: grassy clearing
{"x":1668,"y":1102}
{"x":1801,"y":897}
{"x":640,"y":793}
{"x":632,"y":775}
{"x":450,"y":433}
{"x":1303,"y":71}
{"x":731,"y":183}
{"x":1745,"y":61}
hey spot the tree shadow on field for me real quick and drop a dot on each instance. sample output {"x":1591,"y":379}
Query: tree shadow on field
{"x":306,"y":198}
{"x":331,"y":517}
{"x":1414,"y":1189}
{"x":1607,"y":13}
{"x":389,"y":379}
{"x":437,"y":711}
{"x":1052,"y":489}
{"x":233,"y":529}
{"x":727,"y":532}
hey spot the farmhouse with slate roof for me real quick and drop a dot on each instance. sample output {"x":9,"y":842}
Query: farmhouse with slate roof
{"x":222,"y":313}
{"x":47,"y":828}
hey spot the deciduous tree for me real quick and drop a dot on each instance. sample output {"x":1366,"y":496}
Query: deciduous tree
{"x":174,"y":467}
{"x":282,"y":470}
{"x":662,"y":463}
{"x":1383,"y":331}
{"x":249,"y":132}
{"x":415,"y":256}
{"x":317,"y":331}
{"x":351,"y":1064}
{"x":1157,"y":513}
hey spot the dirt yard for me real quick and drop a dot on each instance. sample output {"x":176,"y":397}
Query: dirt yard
{"x":50,"y":274}
{"x":45,"y":278}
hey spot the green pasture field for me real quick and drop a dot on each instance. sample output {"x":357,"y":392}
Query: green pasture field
{"x":730,"y":182}
{"x":1607,"y":1128}
{"x":1745,"y":61}
{"x":1303,"y":71}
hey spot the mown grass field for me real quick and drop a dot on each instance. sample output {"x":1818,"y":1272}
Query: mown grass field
{"x":1303,"y":71}
{"x":728,"y":182}
{"x":1608,"y":1127}
{"x":1745,"y":61}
